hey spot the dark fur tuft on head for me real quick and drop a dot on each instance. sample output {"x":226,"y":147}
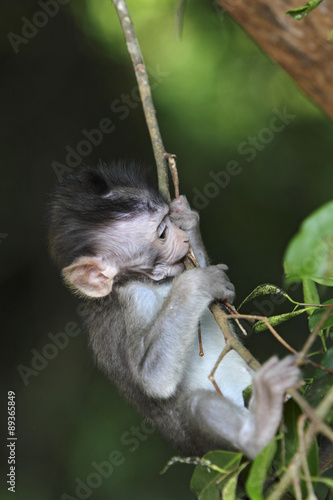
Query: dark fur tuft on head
{"x":92,"y":198}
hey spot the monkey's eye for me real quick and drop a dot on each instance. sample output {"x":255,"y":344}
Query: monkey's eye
{"x":162,"y":231}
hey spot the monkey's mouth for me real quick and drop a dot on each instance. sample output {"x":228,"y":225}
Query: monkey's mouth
{"x":181,"y":262}
{"x":178,"y":266}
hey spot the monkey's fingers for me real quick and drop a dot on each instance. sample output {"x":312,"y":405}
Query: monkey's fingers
{"x":279,"y":375}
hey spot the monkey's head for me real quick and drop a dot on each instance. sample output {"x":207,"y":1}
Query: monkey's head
{"x":110,"y":221}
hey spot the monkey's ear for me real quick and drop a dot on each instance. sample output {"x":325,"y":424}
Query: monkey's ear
{"x":90,"y":276}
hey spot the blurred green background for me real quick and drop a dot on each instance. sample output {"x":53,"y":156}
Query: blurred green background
{"x":216,"y":96}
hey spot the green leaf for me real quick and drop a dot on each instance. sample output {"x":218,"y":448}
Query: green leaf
{"x":317,"y":314}
{"x":318,"y":390}
{"x":327,"y":362}
{"x":258,"y":471}
{"x":322,"y":383}
{"x":310,"y":252}
{"x":325,"y":480}
{"x":291,"y":414}
{"x":264,"y":289}
{"x":203,"y":482}
{"x":260,"y":326}
{"x":310,"y":292}
{"x":247,"y":394}
{"x":229,"y":490}
{"x":313,"y":461}
{"x":299,"y":12}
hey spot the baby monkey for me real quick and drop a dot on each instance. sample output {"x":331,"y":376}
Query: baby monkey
{"x":120,"y":244}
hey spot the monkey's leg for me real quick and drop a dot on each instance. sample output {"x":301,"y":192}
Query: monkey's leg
{"x":218,"y":422}
{"x":214,"y":421}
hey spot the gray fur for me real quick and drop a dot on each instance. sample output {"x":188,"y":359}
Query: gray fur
{"x":143,"y":321}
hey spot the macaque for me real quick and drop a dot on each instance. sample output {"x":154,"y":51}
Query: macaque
{"x":121,"y":245}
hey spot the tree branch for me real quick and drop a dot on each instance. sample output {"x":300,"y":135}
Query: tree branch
{"x":162,"y":158}
{"x":321,"y":411}
{"x":301,"y":47}
{"x":145,"y":92}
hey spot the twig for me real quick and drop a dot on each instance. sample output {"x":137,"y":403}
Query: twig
{"x":311,"y":339}
{"x":325,"y":405}
{"x":297,"y":488}
{"x":230,"y":339}
{"x":311,"y":414}
{"x":227,"y":348}
{"x":201,"y":352}
{"x":301,"y":359}
{"x":321,"y":411}
{"x":300,"y":429}
{"x":222,"y":320}
{"x":174,"y":173}
{"x":145,"y":92}
{"x":308,"y":410}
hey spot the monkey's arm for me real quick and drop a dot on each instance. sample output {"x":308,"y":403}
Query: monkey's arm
{"x":160,"y":333}
{"x":188,"y":220}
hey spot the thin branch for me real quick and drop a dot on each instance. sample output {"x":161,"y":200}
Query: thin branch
{"x":201,"y":352}
{"x":145,"y":92}
{"x":325,"y":405}
{"x":308,"y":410}
{"x":211,"y":377}
{"x":300,"y":429}
{"x":297,"y":488}
{"x":174,"y":173}
{"x":301,"y":359}
{"x":162,"y":158}
{"x":311,"y":414}
{"x":311,"y":339}
{"x":221,"y":319}
{"x":230,"y":339}
{"x":321,"y":411}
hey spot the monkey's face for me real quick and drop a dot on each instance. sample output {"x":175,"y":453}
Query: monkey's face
{"x":152,"y":244}
{"x":171,"y":244}
{"x":148,"y":244}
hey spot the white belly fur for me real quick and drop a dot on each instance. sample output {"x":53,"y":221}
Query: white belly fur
{"x":233,"y":374}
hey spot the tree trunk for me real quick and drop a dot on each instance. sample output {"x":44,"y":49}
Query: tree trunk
{"x":301,"y":47}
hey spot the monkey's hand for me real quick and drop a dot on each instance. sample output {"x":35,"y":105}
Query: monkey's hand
{"x":269,"y":386}
{"x":216,"y":282}
{"x":183,"y":216}
{"x":187,"y":219}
